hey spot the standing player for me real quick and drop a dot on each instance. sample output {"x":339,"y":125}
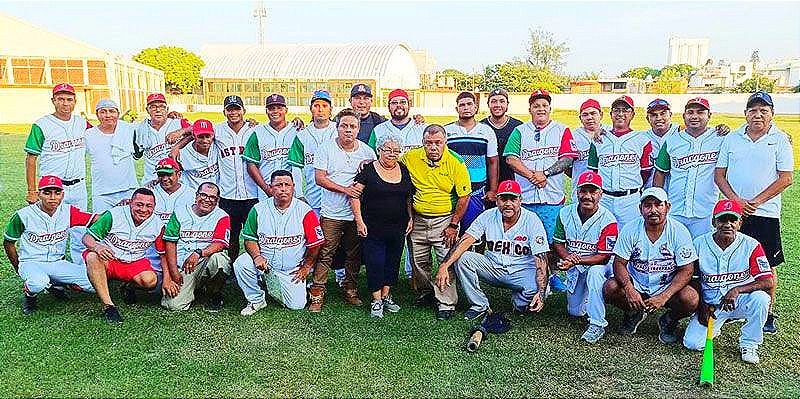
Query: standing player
{"x":156,"y":135}
{"x":200,"y":160}
{"x":41,"y":230}
{"x":659,"y":116}
{"x":502,"y":125}
{"x":361,"y":102}
{"x":400,"y":125}
{"x":591,"y":116}
{"x":267,"y":149}
{"x":755,"y":165}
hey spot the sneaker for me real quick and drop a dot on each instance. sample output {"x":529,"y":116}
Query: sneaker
{"x":557,"y":283}
{"x":424,"y":299}
{"x":215,"y":303}
{"x":111,"y":314}
{"x":750,"y":355}
{"x":593,"y":333}
{"x":666,"y":329}
{"x":252,"y":308}
{"x":28,"y":304}
{"x":351,"y":297}
{"x":472,"y":314}
{"x":128,"y":294}
{"x":316,"y":299}
{"x":442,"y":315}
{"x":769,"y":326}
{"x":377,"y":308}
{"x":58,"y":293}
{"x":390,"y":305}
{"x":630,"y":322}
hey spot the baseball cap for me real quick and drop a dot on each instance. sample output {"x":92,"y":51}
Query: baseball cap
{"x":509,"y":187}
{"x":625,"y":100}
{"x":539,"y":93}
{"x":498,"y":92}
{"x":590,"y":103}
{"x":655,"y":192}
{"x":233,"y":101}
{"x":202,"y":126}
{"x":154,"y":97}
{"x":321,"y":95}
{"x":275,"y":99}
{"x":656,"y":104}
{"x":590,"y":178}
{"x":106,"y":103}
{"x":398,"y":93}
{"x":760,"y":96}
{"x":63,"y":88}
{"x":360,"y":88}
{"x":699,"y":101}
{"x":50,"y":181}
{"x":167,"y":165}
{"x":727,"y":207}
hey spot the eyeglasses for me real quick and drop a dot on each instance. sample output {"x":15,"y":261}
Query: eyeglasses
{"x":621,"y":110}
{"x":159,"y":107}
{"x":390,"y":151}
{"x":207,"y":197}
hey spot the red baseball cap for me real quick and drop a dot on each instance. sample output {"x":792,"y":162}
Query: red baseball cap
{"x":540,"y":93}
{"x":398,"y":93}
{"x":509,"y":187}
{"x":590,"y":103}
{"x":167,"y":165}
{"x":590,"y":178}
{"x":50,"y":181}
{"x":156,"y":97}
{"x":699,"y":101}
{"x":624,"y":99}
{"x":63,"y":88}
{"x":727,"y":207}
{"x":202,"y":126}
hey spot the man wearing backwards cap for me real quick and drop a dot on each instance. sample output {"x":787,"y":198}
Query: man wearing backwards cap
{"x":584,"y":241}
{"x":735,"y":278}
{"x":58,"y":142}
{"x":516,"y":245}
{"x":502,"y":125}
{"x":688,"y":158}
{"x":111,"y":150}
{"x":41,"y":230}
{"x":755,"y":165}
{"x":361,"y":102}
{"x":400,"y":125}
{"x":156,"y":134}
{"x":200,"y":161}
{"x":652,"y":269}
{"x":590,"y":114}
{"x":622,"y":158}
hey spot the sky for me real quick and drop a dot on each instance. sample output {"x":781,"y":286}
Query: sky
{"x":604,"y":37}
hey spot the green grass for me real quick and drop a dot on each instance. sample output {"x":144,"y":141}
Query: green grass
{"x":68,"y":350}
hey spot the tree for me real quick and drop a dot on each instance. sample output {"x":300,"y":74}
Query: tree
{"x":519,"y":76}
{"x":181,"y":67}
{"x":682,"y":70}
{"x":641,"y":73}
{"x":670,"y":81}
{"x":590,"y":75}
{"x":544,"y":51}
{"x":756,"y":83}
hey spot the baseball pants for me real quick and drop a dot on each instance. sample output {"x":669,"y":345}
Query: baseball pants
{"x":206,"y":268}
{"x":472,"y":268}
{"x":278,"y":283}
{"x":104,"y":202}
{"x":585,"y":292}
{"x":625,"y":208}
{"x":696,"y":226}
{"x":427,"y":235}
{"x":752,"y":306}
{"x":41,"y":275}
{"x":76,"y":195}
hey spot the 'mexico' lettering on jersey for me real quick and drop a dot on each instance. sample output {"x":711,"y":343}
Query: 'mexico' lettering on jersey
{"x":504,"y":247}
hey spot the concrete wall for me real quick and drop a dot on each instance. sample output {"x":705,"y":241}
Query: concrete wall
{"x":26,"y":105}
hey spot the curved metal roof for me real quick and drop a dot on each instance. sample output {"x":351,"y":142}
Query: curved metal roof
{"x":316,"y":61}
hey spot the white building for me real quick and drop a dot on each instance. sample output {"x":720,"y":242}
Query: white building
{"x":688,"y":51}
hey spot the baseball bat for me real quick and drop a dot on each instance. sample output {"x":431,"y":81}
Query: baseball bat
{"x":707,"y":368}
{"x":475,"y":339}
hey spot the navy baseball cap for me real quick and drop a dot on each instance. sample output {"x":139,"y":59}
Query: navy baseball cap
{"x":274,"y":99}
{"x":360,"y":88}
{"x":760,"y":96}
{"x":321,"y":95}
{"x":498,"y":92}
{"x":232,"y":101}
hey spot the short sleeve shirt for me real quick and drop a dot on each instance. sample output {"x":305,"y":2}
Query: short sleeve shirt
{"x":438,"y":184}
{"x":341,"y":167}
{"x":190,"y":231}
{"x":741,"y":263}
{"x":513,"y":249}
{"x":474,"y":146}
{"x":129,"y":242}
{"x":43,"y":238}
{"x":620,"y":159}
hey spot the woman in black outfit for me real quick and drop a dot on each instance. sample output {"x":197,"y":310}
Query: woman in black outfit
{"x":382,"y":216}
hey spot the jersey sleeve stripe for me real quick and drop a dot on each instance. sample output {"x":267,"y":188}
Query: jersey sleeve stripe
{"x":763,"y":275}
{"x":251,"y":160}
{"x":661,"y":170}
{"x":171,"y":238}
{"x":32,"y":151}
{"x":556,"y":239}
{"x":248,"y":237}
{"x":315,"y":243}
{"x":293,"y":163}
{"x":9,"y":238}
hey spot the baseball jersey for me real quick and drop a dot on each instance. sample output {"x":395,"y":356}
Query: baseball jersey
{"x":342,"y":168}
{"x":513,"y":249}
{"x":115,"y":229}
{"x":652,"y":265}
{"x":301,"y":155}
{"x":502,"y":134}
{"x":690,"y":163}
{"x":656,"y":142}
{"x":619,"y":160}
{"x":410,"y":135}
{"x":741,"y":263}
{"x":283,"y":235}
{"x":474,"y":147}
{"x":199,"y":168}
{"x":269,"y":148}
{"x":111,"y":173}
{"x":234,"y":181}
{"x":555,"y":142}
{"x":43,"y":238}
{"x":753,"y":166}
{"x":583,"y":140}
{"x":190,"y":231}
{"x":153,"y":143}
{"x":166,"y":202}
{"x":595,"y":236}
{"x":60,"y":146}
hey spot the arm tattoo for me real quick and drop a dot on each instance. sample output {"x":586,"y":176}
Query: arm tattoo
{"x":452,"y":250}
{"x":559,"y":167}
{"x":541,"y":273}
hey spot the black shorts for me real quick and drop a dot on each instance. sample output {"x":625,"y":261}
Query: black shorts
{"x":238,"y":211}
{"x":767,"y":231}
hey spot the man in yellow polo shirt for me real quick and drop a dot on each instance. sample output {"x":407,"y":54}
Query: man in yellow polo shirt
{"x":443,"y":189}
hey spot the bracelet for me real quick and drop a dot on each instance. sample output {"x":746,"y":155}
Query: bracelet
{"x":199,"y":252}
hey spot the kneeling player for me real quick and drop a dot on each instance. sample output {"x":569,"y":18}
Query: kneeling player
{"x":735,"y":278}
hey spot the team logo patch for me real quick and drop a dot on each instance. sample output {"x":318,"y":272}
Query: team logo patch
{"x":227,"y":235}
{"x":610,"y":241}
{"x":665,"y":252}
{"x":685,"y":253}
{"x":318,"y":231}
{"x":520,"y":238}
{"x":763,"y":264}
{"x":539,"y":240}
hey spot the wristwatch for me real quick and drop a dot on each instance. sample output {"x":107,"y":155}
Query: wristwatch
{"x":453,"y":226}
{"x":199,"y":252}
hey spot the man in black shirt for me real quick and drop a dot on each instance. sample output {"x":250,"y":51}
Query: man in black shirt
{"x":502,"y":125}
{"x":361,"y":101}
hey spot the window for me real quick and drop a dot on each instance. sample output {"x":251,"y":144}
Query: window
{"x":28,"y":70}
{"x":3,"y":70}
{"x":217,"y":87}
{"x":619,"y":85}
{"x":97,"y":72}
{"x":235,"y":87}
{"x":252,"y":100}
{"x":251,"y":87}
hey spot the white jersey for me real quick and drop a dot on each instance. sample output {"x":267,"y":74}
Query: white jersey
{"x":153,"y":143}
{"x":190,"y":231}
{"x":60,"y":146}
{"x":739,"y":264}
{"x":306,"y":144}
{"x":342,"y":167}
{"x":234,"y":181}
{"x":410,"y":135}
{"x":474,"y":147}
{"x":690,"y":163}
{"x":656,"y":142}
{"x":269,"y":148}
{"x":199,"y":168}
{"x":619,"y":160}
{"x":513,"y":249}
{"x":652,"y":265}
{"x":43,"y":238}
{"x":583,"y":141}
{"x":595,"y":236}
{"x":554,"y":142}
{"x":166,"y":202}
{"x":115,"y":229}
{"x":753,"y":166}
{"x":283,"y":235}
{"x":111,"y":155}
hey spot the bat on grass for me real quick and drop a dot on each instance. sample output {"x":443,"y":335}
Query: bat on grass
{"x":707,"y":368}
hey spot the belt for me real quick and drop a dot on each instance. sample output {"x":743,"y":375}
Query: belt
{"x":70,"y":182}
{"x":621,"y":193}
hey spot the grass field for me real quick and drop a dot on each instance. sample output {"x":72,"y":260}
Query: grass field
{"x":68,"y":350}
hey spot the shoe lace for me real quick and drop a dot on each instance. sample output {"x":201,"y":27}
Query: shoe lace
{"x":377,"y":305}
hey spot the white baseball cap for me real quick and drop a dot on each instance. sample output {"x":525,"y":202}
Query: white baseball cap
{"x":655,"y":192}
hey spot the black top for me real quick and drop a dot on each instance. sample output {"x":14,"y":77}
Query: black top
{"x":369,"y":123}
{"x":384,"y":204}
{"x":502,"y":138}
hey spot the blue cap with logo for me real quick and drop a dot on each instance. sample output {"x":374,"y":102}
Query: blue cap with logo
{"x":760,"y":96}
{"x":275,"y":99}
{"x":360,"y":88}
{"x":233,"y":101}
{"x":321,"y":95}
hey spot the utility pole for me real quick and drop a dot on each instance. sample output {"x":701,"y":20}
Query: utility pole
{"x":754,"y":59}
{"x":260,"y":13}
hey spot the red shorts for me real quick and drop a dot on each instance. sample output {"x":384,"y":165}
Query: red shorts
{"x":125,"y":271}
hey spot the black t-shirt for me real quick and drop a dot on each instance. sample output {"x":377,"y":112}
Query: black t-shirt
{"x":369,"y":123}
{"x":384,"y":204}
{"x":503,"y":134}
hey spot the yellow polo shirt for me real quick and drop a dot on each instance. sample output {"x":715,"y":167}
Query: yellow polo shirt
{"x":438,"y":186}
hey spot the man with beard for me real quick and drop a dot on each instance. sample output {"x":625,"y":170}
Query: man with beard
{"x":267,"y":149}
{"x":590,"y":114}
{"x":502,"y":125}
{"x":400,"y":125}
{"x":155,"y":135}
